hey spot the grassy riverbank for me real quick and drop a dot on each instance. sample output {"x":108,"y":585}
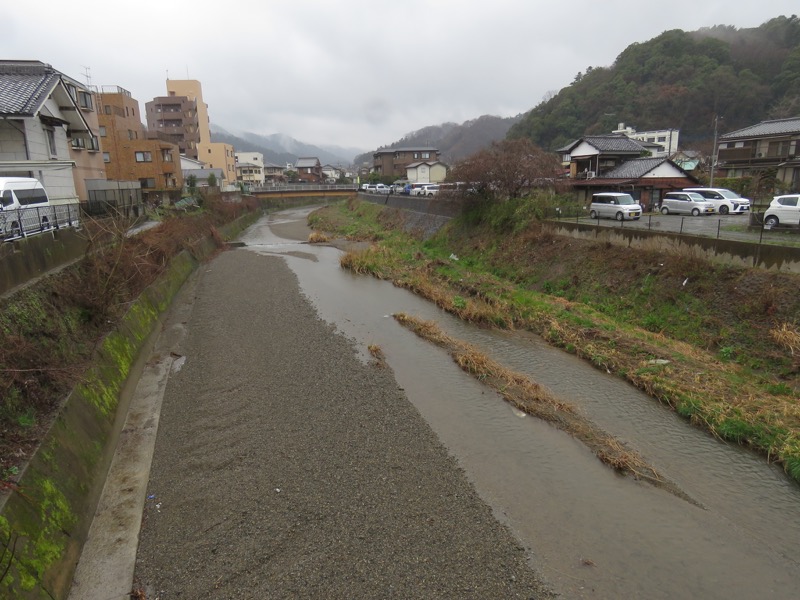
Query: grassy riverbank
{"x":720,"y":345}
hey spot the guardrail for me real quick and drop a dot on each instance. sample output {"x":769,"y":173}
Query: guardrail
{"x":304,"y":187}
{"x":22,"y":222}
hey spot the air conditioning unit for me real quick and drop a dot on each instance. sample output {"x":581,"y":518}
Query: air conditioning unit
{"x":590,"y":174}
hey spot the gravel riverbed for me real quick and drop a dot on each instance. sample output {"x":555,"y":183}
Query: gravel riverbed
{"x":286,"y":467}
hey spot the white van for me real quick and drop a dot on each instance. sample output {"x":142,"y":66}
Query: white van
{"x":24,"y":207}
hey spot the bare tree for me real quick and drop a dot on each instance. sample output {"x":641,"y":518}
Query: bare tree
{"x":508,"y":169}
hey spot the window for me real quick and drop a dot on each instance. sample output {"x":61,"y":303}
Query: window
{"x":78,"y":143}
{"x":426,"y":155}
{"x":72,"y":91}
{"x":662,"y":138}
{"x":130,"y":134}
{"x":93,"y":144}
{"x":147,"y":183}
{"x":166,"y":155}
{"x":51,"y":140}
{"x":107,"y":109}
{"x":788,"y":201}
{"x":85,"y":100}
{"x":102,"y":131}
{"x":106,"y":157}
{"x":144,"y":157}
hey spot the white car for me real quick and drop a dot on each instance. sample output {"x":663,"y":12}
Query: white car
{"x":428,"y":190}
{"x":783,"y":210}
{"x":686,"y":203}
{"x":382,"y":189}
{"x":725,"y":201}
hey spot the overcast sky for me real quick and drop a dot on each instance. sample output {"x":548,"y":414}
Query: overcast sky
{"x":352,"y":73}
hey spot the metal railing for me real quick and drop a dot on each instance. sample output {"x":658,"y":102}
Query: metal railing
{"x":304,"y":187}
{"x":22,"y":222}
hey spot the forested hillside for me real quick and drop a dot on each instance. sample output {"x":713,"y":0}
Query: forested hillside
{"x":679,"y":80}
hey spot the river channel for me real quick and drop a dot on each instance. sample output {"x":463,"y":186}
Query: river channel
{"x":590,"y":532}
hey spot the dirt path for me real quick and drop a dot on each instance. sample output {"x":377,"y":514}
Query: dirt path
{"x":286,"y":468}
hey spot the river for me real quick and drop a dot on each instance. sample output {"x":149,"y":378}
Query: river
{"x":590,"y":532}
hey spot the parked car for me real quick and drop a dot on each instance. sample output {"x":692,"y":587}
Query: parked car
{"x":381,"y":188}
{"x":686,"y":203}
{"x":614,"y":205}
{"x":372,"y":188}
{"x":364,"y":187}
{"x":783,"y":210}
{"x":397,"y":187}
{"x":415,"y":188}
{"x":725,"y":201}
{"x":24,"y":207}
{"x":429,"y":190}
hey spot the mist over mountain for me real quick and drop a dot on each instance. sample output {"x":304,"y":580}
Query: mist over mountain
{"x":455,"y":142}
{"x":281,"y":149}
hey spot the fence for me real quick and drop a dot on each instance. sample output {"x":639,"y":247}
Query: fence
{"x":22,"y":222}
{"x":747,"y":227}
{"x":304,"y":187}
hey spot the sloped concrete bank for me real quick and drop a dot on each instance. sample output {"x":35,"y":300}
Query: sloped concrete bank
{"x":45,"y":520}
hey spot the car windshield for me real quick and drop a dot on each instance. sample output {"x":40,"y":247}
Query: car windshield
{"x":625,"y":199}
{"x":729,"y":194}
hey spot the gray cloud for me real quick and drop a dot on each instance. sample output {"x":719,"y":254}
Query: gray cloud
{"x":353,"y":72}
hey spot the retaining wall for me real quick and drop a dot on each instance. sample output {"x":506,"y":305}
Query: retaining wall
{"x":729,"y":252}
{"x":45,"y":522}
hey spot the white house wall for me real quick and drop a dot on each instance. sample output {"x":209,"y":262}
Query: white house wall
{"x":56,"y":179}
{"x":664,"y":170}
{"x":12,"y":141}
{"x":438,"y":173}
{"x":584,"y":149}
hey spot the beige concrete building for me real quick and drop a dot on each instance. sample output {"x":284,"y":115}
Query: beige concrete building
{"x":217,"y":155}
{"x":193,"y":90}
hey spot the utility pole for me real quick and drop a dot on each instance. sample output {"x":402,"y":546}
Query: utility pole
{"x":714,"y":153}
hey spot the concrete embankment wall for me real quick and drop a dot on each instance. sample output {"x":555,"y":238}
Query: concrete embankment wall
{"x":430,"y":214}
{"x":45,"y":521}
{"x":729,"y":252}
{"x":31,"y":257}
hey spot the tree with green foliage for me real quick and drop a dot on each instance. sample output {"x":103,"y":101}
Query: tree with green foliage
{"x":212,"y":180}
{"x":678,"y":80}
{"x":191,"y":184}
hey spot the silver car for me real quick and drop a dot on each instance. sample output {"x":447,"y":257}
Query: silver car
{"x":614,"y":205}
{"x":686,"y":203}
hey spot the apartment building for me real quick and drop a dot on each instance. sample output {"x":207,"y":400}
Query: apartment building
{"x":129,"y":152}
{"x":176,"y":118}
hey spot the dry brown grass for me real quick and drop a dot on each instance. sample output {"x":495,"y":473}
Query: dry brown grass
{"x":533,"y":399}
{"x":377,"y":353}
{"x":787,"y":336}
{"x":317,"y":237}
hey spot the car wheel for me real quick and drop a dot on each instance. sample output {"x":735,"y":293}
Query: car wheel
{"x":620,"y":216}
{"x":665,"y":211}
{"x":592,"y":214}
{"x":771,"y":220}
{"x":695,"y":212}
{"x":723,"y":210}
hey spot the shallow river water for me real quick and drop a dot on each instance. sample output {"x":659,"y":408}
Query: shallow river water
{"x":590,"y":532}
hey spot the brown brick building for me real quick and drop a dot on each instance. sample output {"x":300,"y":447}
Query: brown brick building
{"x":128,"y":153}
{"x":176,"y":118}
{"x":392,"y":162}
